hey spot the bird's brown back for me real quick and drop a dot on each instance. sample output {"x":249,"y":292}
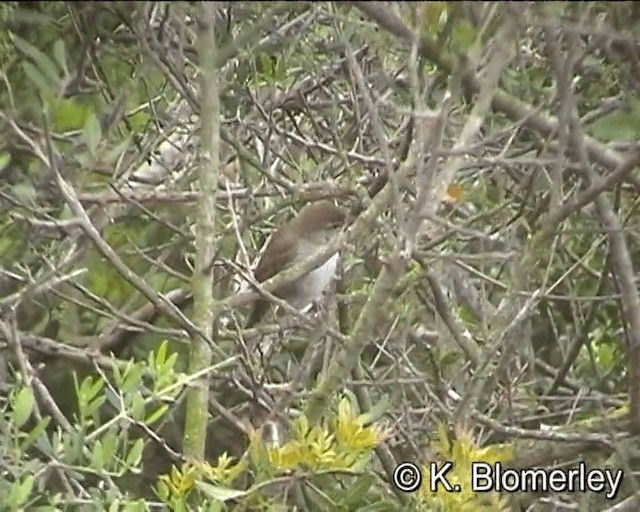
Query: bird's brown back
{"x":282,"y":248}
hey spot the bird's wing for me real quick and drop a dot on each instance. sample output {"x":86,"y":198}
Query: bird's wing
{"x":282,"y":252}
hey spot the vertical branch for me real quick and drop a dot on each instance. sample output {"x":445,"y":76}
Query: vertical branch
{"x":204,"y":317}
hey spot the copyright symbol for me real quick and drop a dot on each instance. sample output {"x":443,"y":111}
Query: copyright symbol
{"x":407,"y":477}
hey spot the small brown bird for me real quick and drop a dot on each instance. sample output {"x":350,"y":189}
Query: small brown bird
{"x":304,"y":236}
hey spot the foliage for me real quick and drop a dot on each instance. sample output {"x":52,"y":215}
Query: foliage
{"x":96,"y":447}
{"x":329,"y":458}
{"x":463,"y":452}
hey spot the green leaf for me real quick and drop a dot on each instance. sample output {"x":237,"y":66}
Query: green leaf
{"x":25,"y":489}
{"x":620,"y":126}
{"x":376,"y":412}
{"x":605,"y":356}
{"x":32,"y":17}
{"x":280,"y":71}
{"x":92,"y":133}
{"x":94,"y":388}
{"x":94,"y":406}
{"x":109,"y":447}
{"x":358,"y":490}
{"x":466,"y":315}
{"x":162,"y":490}
{"x":60,"y":55}
{"x":265,"y":65}
{"x":464,"y":35}
{"x":73,"y":445}
{"x":137,"y":506}
{"x":89,"y":397}
{"x":137,"y":406}
{"x":135,"y":454}
{"x":69,"y":115}
{"x":161,"y":354}
{"x":132,"y":378}
{"x":44,"y":63}
{"x":97,"y":457}
{"x":449,"y":358}
{"x":36,"y":434}
{"x":217,"y":506}
{"x":5,"y":158}
{"x":22,"y":407}
{"x":91,"y":406}
{"x":113,"y":398}
{"x":321,"y":501}
{"x":435,"y":15}
{"x":157,"y":414}
{"x":116,"y":152}
{"x":25,"y":192}
{"x":171,"y":362}
{"x":220,"y":493}
{"x":20,"y":492}
{"x":36,"y":77}
{"x":117,"y":374}
{"x":380,"y":506}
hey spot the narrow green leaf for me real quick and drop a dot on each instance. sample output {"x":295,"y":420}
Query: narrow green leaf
{"x":84,"y":388}
{"x":620,"y":126}
{"x":90,"y":388}
{"x":464,"y":35}
{"x":95,"y":404}
{"x":133,"y":379}
{"x":22,"y":407}
{"x":25,"y":490}
{"x":135,"y":454}
{"x":44,"y":63}
{"x":220,"y":493}
{"x":161,"y":355}
{"x":13,"y":501}
{"x":377,"y":411}
{"x":110,"y":443}
{"x":96,"y":387}
{"x":321,"y":501}
{"x":5,"y":158}
{"x":32,"y":17}
{"x":137,"y":406}
{"x":73,"y":445}
{"x":36,"y":77}
{"x":380,"y":506}
{"x":60,"y":55}
{"x":92,"y":133}
{"x":113,"y":399}
{"x":36,"y":434}
{"x":97,"y":457}
{"x":117,"y":375}
{"x":69,"y":114}
{"x":157,"y":414}
{"x":136,"y":506}
{"x":162,"y":490}
{"x":358,"y":490}
{"x":448,"y":359}
{"x":171,"y":362}
{"x":114,"y":153}
{"x":25,"y":192}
